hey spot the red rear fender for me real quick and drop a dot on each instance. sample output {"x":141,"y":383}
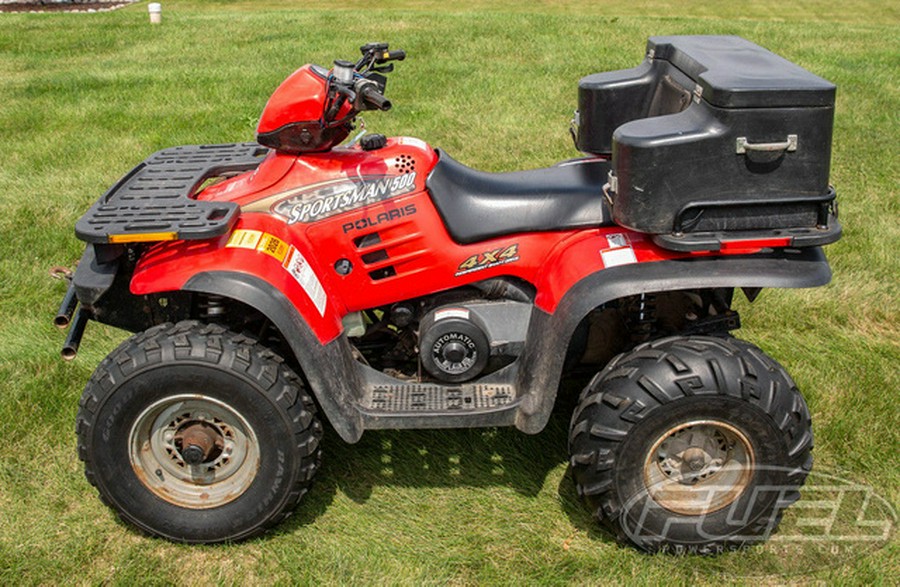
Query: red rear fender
{"x":588,"y":252}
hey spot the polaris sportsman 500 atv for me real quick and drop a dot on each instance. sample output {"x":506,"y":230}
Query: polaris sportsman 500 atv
{"x":380,"y":284}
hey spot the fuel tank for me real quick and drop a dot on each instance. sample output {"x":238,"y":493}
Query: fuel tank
{"x":314,"y":186}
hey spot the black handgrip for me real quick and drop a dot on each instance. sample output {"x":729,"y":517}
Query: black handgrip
{"x":384,"y":57}
{"x":375,"y":99}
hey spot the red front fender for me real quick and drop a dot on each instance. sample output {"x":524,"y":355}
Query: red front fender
{"x":260,"y":246}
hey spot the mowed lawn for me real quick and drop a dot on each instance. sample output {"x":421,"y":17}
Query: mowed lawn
{"x":84,"y":97}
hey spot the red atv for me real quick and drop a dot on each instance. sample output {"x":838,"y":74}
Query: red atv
{"x":381,"y":284}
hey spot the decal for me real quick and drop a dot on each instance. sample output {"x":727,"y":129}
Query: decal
{"x":315,"y":202}
{"x":290,"y":258}
{"x":297,"y":265}
{"x":373,"y":221}
{"x":489,"y":259}
{"x":244,"y":239}
{"x":619,"y":251}
{"x":272,"y":246}
{"x":413,"y":142}
{"x":614,"y":241}
{"x":259,"y":241}
{"x":451,"y":313}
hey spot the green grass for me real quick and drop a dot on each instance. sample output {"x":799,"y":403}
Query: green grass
{"x":84,"y":97}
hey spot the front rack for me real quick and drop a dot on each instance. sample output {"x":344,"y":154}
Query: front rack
{"x":154,"y":201}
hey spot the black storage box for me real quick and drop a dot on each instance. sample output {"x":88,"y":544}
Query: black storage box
{"x":711,"y":135}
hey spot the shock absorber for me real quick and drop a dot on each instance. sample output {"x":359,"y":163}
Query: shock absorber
{"x":641,"y":316}
{"x":211,"y":307}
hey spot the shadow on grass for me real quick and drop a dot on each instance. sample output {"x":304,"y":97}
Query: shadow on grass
{"x":579,"y":514}
{"x":479,"y":457}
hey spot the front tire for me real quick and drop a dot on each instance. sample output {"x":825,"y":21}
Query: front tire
{"x":691,"y":444}
{"x":196,"y":434}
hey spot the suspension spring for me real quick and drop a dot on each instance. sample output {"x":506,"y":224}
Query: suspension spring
{"x":641,"y":317}
{"x":212,"y":307}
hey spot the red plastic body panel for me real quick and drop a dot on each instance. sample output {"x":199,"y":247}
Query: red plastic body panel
{"x":300,"y":97}
{"x":372,"y":210}
{"x":748,"y":246}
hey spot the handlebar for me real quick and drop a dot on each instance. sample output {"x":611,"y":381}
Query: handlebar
{"x":360,"y":84}
{"x":372,"y":97}
{"x":384,"y":57}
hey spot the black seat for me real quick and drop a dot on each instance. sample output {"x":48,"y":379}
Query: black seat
{"x":477,"y":206}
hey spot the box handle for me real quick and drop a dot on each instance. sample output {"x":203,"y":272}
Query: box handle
{"x":743,"y":146}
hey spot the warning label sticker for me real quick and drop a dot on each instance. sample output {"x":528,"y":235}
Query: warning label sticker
{"x":297,"y":265}
{"x":619,"y":251}
{"x":273,"y":246}
{"x":290,"y":258}
{"x":451,"y":313}
{"x":260,"y":241}
{"x":244,"y":239}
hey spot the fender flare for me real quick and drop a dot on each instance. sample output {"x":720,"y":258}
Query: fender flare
{"x":329,"y":369}
{"x":549,"y":334}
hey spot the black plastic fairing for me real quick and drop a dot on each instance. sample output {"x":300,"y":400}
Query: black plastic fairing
{"x":330,"y":369}
{"x":541,"y":364}
{"x":304,"y":137}
{"x":523,"y":393}
{"x":92,"y":278}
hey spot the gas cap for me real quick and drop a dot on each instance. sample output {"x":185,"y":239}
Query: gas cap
{"x":372,"y":142}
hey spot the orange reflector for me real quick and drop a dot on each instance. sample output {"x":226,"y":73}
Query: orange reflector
{"x":759,"y":243}
{"x":145,"y":237}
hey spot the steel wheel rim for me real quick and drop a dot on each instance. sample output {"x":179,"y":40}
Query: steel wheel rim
{"x":699,"y":467}
{"x":157,"y":458}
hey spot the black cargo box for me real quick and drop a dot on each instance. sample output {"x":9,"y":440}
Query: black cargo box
{"x":712,"y":135}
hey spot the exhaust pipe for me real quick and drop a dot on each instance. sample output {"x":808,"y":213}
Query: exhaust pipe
{"x":66,"y":309}
{"x":76,"y":331}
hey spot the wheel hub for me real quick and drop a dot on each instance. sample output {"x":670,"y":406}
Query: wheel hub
{"x":696,"y":459}
{"x":199,"y":442}
{"x":698,"y":467}
{"x":194,"y":451}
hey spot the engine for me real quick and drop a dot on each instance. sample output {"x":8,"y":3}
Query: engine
{"x":458,"y":342}
{"x":464,"y":334}
{"x":452,"y":337}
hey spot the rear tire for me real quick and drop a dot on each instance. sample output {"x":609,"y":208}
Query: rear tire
{"x":691,"y":444}
{"x":196,"y":434}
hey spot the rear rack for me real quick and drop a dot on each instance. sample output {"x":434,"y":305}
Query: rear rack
{"x":153,"y":201}
{"x":797,"y":237}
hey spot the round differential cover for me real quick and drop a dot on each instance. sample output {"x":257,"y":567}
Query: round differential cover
{"x":452,"y":346}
